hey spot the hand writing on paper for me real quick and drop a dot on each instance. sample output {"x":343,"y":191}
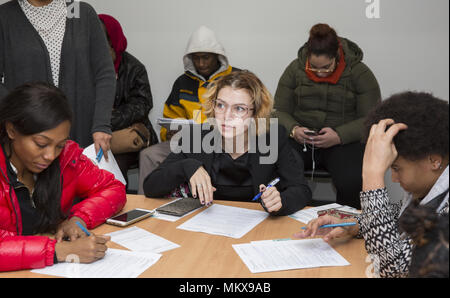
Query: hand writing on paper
{"x":312,"y":229}
{"x":88,"y":249}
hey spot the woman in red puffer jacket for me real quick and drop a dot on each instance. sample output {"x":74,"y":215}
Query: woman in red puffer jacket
{"x":41,"y":173}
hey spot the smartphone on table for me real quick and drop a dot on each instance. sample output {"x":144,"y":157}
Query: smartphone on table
{"x":129,"y":217}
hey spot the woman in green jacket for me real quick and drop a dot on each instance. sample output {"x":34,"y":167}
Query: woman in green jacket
{"x":322,"y":98}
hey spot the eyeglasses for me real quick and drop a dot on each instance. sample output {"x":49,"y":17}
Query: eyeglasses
{"x":239,"y":111}
{"x":323,"y":70}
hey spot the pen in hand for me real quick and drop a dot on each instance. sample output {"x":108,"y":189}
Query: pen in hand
{"x":271,"y":183}
{"x":99,"y":154}
{"x":344,"y":224}
{"x":83,"y":228}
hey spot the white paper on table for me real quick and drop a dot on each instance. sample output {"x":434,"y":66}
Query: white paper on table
{"x":137,"y":239}
{"x":226,"y":221}
{"x":272,"y":255}
{"x":116,"y":264}
{"x":306,"y":215}
{"x":110,"y":166}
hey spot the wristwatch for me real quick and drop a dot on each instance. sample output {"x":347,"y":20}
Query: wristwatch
{"x":293,"y":131}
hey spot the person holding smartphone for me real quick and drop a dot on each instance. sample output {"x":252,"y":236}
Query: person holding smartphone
{"x":322,"y":99}
{"x":41,"y":173}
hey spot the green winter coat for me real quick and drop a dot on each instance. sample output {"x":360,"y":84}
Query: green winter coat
{"x":341,"y":106}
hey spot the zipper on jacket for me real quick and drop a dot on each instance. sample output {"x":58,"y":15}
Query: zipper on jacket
{"x":11,"y":200}
{"x":14,"y":208}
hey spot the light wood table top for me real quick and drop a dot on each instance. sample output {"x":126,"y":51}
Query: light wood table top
{"x":203,"y":255}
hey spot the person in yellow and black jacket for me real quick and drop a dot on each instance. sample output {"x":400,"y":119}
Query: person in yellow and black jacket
{"x":204,"y":62}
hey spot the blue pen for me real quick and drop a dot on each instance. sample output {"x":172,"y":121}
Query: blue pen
{"x":99,"y":154}
{"x":83,"y":228}
{"x":344,"y":224}
{"x":271,"y":183}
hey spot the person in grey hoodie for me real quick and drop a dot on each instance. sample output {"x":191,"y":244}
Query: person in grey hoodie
{"x":204,"y":62}
{"x":61,"y":43}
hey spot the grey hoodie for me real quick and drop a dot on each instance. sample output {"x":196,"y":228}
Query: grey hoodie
{"x":204,"y":40}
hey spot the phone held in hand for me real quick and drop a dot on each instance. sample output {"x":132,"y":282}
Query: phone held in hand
{"x":309,"y":132}
{"x":129,"y":217}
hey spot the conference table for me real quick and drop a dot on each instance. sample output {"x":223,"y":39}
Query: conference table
{"x":202,"y":255}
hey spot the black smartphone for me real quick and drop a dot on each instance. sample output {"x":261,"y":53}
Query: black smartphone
{"x":310,"y":132}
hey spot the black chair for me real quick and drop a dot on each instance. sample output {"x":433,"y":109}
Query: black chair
{"x":322,"y":175}
{"x":131,"y":191}
{"x":318,"y":173}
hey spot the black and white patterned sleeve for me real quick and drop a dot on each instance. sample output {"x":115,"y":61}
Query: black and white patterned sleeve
{"x":378,"y":225}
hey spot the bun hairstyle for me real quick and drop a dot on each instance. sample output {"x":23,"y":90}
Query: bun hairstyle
{"x":323,"y":40}
{"x":429,"y":233}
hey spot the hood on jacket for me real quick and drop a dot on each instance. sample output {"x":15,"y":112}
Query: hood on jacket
{"x":204,"y":40}
{"x":116,"y":36}
{"x":352,"y":52}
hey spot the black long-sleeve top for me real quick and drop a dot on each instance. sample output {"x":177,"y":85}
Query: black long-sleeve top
{"x":264,"y":165}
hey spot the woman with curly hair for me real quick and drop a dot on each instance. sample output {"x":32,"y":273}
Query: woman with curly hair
{"x":408,"y":133}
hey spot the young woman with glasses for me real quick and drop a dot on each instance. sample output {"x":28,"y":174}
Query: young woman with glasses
{"x":322,"y":99}
{"x":231,"y":164}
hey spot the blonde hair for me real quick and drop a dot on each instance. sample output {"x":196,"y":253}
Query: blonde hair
{"x":242,"y":79}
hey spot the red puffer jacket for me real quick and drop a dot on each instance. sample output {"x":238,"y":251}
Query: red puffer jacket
{"x":104,"y":197}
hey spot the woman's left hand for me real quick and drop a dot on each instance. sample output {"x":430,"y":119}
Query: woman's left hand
{"x":271,"y":198}
{"x":326,"y":138}
{"x":69,"y":229}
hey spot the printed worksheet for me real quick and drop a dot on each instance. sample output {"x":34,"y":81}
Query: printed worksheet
{"x":116,"y":264}
{"x":137,"y":239}
{"x":224,"y":220}
{"x":278,"y":255}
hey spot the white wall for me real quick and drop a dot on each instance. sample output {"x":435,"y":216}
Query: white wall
{"x":406,"y":48}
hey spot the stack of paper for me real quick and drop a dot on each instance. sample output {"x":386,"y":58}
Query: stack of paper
{"x":306,"y":215}
{"x":273,"y":255}
{"x":226,"y":221}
